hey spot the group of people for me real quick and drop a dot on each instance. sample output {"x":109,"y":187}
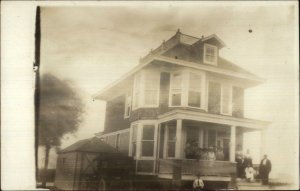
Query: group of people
{"x":192,"y":151}
{"x":245,"y":168}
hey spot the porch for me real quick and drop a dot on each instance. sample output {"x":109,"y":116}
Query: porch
{"x":185,"y":142}
{"x":186,"y":169}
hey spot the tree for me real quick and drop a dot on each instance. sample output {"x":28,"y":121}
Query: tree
{"x":60,"y":113}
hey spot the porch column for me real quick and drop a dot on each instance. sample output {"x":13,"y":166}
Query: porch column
{"x":232,"y":143}
{"x":262,"y":143}
{"x":178,"y":138}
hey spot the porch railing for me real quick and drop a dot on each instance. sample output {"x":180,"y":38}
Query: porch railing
{"x":192,"y":167}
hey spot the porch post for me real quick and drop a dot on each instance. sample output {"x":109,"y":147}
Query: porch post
{"x":178,"y":138}
{"x":262,"y":143}
{"x":232,"y":143}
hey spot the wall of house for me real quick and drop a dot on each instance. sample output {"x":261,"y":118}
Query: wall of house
{"x":114,"y":117}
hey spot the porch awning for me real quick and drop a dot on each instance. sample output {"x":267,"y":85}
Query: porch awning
{"x":212,"y":118}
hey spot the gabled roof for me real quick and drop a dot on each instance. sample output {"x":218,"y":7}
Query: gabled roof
{"x":94,"y":145}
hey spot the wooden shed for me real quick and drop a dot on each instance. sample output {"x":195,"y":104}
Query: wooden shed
{"x":80,"y":166}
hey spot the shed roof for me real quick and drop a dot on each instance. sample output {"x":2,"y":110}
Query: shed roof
{"x":90,"y":145}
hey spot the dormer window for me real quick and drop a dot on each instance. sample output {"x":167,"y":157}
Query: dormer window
{"x":210,"y":54}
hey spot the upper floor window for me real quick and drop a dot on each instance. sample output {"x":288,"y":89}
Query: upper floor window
{"x":210,"y":54}
{"x":146,"y":89}
{"x":237,"y":102}
{"x":226,"y":99}
{"x":151,"y":90}
{"x":127,"y":105}
{"x":176,"y":89}
{"x":194,"y":90}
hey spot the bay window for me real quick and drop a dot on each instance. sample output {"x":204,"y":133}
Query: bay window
{"x":148,"y":141}
{"x":194,"y":99}
{"x":226,"y":99}
{"x":146,"y":89}
{"x":127,"y":105}
{"x":134,"y":140}
{"x":151,"y":89}
{"x":176,"y":89}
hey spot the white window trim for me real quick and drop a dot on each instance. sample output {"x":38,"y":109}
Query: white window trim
{"x":126,"y":103}
{"x":223,"y":86}
{"x":204,"y":53}
{"x":182,"y":88}
{"x":140,"y":124}
{"x":166,"y":143}
{"x":185,"y":89}
{"x":142,"y":95}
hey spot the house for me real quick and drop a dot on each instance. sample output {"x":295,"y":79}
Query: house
{"x":181,"y":93}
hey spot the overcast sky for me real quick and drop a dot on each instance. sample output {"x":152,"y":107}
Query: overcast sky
{"x":92,"y":46}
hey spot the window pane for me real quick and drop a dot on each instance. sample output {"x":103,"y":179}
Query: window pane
{"x":237,"y":102}
{"x":195,"y":82}
{"x":176,"y":99}
{"x":151,"y":97}
{"x":172,"y":133}
{"x":147,"y":148}
{"x":148,"y":132}
{"x":171,"y":149}
{"x":225,"y":97}
{"x":194,"y":99}
{"x":214,"y":97}
{"x":176,"y":82}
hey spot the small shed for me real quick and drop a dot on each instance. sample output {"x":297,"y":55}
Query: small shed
{"x":88,"y":163}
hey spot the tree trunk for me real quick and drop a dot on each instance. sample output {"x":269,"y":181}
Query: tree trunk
{"x":45,"y":173}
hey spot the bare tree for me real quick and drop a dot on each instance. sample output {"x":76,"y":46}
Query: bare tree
{"x":60,"y":113}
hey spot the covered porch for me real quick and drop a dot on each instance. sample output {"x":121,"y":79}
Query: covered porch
{"x":193,"y":142}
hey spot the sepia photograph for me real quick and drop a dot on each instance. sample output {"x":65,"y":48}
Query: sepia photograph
{"x":162,"y":96}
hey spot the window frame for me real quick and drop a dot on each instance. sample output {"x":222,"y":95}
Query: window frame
{"x":171,"y":89}
{"x":128,"y":104}
{"x":205,"y":52}
{"x":229,"y":86}
{"x":142,"y":141}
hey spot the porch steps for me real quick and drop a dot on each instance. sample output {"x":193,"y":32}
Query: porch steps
{"x":244,"y":185}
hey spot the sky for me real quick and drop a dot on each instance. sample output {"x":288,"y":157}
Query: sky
{"x":93,"y":46}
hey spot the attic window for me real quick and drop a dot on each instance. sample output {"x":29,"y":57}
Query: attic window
{"x":210,"y":54}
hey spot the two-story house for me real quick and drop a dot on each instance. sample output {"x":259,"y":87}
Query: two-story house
{"x":181,"y":94}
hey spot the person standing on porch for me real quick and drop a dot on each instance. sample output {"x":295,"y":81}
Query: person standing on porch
{"x":211,"y":154}
{"x":264,"y":169}
{"x":198,"y":183}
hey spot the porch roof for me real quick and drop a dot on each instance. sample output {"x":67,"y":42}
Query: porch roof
{"x":213,"y":118}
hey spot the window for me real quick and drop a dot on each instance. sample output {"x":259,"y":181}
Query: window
{"x":127,"y":105}
{"x":176,"y":89}
{"x":210,"y":54}
{"x":148,"y":141}
{"x":226,"y":95}
{"x":151,"y":90}
{"x":214,"y":97}
{"x":237,"y":102}
{"x":134,"y":140}
{"x":194,"y":90}
{"x":171,"y":141}
{"x":136,"y":91}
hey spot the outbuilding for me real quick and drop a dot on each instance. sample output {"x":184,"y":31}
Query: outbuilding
{"x":91,"y":164}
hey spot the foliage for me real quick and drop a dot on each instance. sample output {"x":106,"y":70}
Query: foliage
{"x":60,"y":111}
